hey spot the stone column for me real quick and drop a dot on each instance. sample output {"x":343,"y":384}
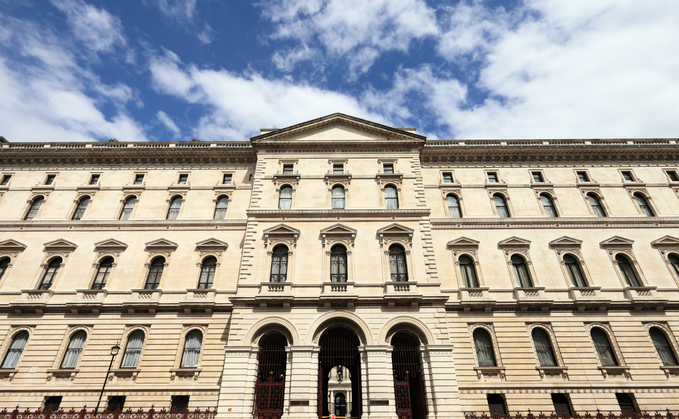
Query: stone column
{"x":438,"y":368}
{"x":237,"y":388}
{"x":377,"y":382}
{"x":301,"y":383}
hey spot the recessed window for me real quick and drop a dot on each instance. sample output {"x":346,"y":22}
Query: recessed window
{"x":50,"y":273}
{"x":574,"y":271}
{"x":453,"y":206}
{"x":175,"y":206}
{"x":183,"y":179}
{"x":221,"y":207}
{"x":468,"y":272}
{"x":628,"y":271}
{"x":288,"y":168}
{"x":628,"y":405}
{"x":207,"y":272}
{"x":52,"y":403}
{"x":537,"y":177}
{"x":674,"y":261}
{"x":250,"y":177}
{"x":226,"y":179}
{"x":94,"y":179}
{"x":501,"y":206}
{"x":496,"y":404}
{"x":338,"y":197}
{"x":279,"y":264}
{"x":644,"y":205}
{"x":485,"y":355}
{"x":4,"y":264}
{"x":115,"y":403}
{"x":128,"y":207}
{"x":388,"y":167}
{"x":337,"y":169}
{"x":34,"y":208}
{"x":179,"y":403}
{"x":548,"y":205}
{"x":562,"y":405}
{"x":627,"y":176}
{"x":5,"y":179}
{"x":285,"y":198}
{"x":138,"y":179}
{"x":543,"y":347}
{"x":50,"y":179}
{"x":391,"y":197}
{"x":671,"y":174}
{"x":15,"y":350}
{"x":74,"y":350}
{"x":492,"y":177}
{"x":595,"y":204}
{"x":338,"y":263}
{"x":603,"y":347}
{"x":662,"y":345}
{"x":397,"y":263}
{"x":155,"y":273}
{"x":447,"y":177}
{"x":192,"y":346}
{"x":582,"y":176}
{"x":103,"y":271}
{"x":521,"y":273}
{"x":81,"y":208}
{"x":133,"y":349}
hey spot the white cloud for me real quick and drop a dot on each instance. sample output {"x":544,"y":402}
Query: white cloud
{"x":96,"y":28}
{"x":168,"y":123}
{"x":178,"y":10}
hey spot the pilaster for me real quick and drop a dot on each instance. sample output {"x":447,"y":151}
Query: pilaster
{"x":438,"y":368}
{"x":301,"y":384}
{"x":237,"y":389}
{"x":377,"y":382}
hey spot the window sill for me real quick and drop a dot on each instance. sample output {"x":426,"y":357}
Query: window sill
{"x":8,"y":373}
{"x":552,"y":370}
{"x":185,"y":373}
{"x":125,"y":373}
{"x":69,"y":373}
{"x":490,"y":372}
{"x":670,"y":370}
{"x":614,"y":370}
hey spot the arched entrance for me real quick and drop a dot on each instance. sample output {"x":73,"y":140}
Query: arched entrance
{"x":339,"y":353}
{"x":270,"y":386}
{"x":408,"y":377}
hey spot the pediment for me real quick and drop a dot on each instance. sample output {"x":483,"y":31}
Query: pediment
{"x":338,"y":229}
{"x":211,"y":244}
{"x":281,"y":232}
{"x":60,"y":245}
{"x":281,"y":229}
{"x":395,"y":229}
{"x":665,"y":242}
{"x":616,"y":241}
{"x":514,"y":242}
{"x":566,"y":241}
{"x":110,"y":244}
{"x":11,"y":246}
{"x":337,"y":127}
{"x":161,"y":244}
{"x":463,"y":242}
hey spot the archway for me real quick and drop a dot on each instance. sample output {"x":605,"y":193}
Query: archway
{"x":408,"y":378}
{"x":270,"y":385}
{"x":339,"y":353}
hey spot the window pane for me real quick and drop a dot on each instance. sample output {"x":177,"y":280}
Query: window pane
{"x":80,"y":209}
{"x":543,"y":347}
{"x":285,"y":199}
{"x":4,"y":264}
{"x":155,"y":273}
{"x":15,"y":350}
{"x":183,"y":178}
{"x":453,"y":206}
{"x":128,"y":208}
{"x":338,"y":168}
{"x":597,"y":208}
{"x":207,"y":273}
{"x":468,"y":271}
{"x":603,"y":348}
{"x":338,"y":197}
{"x":628,"y":271}
{"x":673,"y":176}
{"x":548,"y":205}
{"x":521,"y":272}
{"x":191,"y":355}
{"x":643,"y":205}
{"x":75,"y":348}
{"x":582,"y":177}
{"x":447,"y":177}
{"x":537,"y":177}
{"x":279,"y":264}
{"x":501,"y":206}
{"x":663,"y":347}
{"x":138,"y":179}
{"x":484,"y":348}
{"x":674,"y":261}
{"x":35,"y":206}
{"x":391,"y":197}
{"x":133,"y":350}
{"x":574,"y":271}
{"x":338,"y":264}
{"x":50,"y":274}
{"x":627,"y":176}
{"x":94,"y":179}
{"x":221,"y":207}
{"x":226,"y":180}
{"x":287,"y":169}
{"x":388,"y":168}
{"x":397,"y":264}
{"x":103,"y":271}
{"x":175,"y":206}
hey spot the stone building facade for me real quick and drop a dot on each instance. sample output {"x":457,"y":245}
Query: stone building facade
{"x":340,"y":262}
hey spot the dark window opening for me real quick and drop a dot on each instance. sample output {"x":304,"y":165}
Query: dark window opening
{"x":155,"y":273}
{"x":81,"y":208}
{"x":627,"y":403}
{"x":115,"y":403}
{"x":5,"y":179}
{"x":103,"y":271}
{"x":582,"y":177}
{"x":279,"y":264}
{"x":492,"y":177}
{"x":138,"y":179}
{"x":226,"y":180}
{"x":561,"y":405}
{"x":388,"y":168}
{"x":672,"y":174}
{"x":94,"y":179}
{"x":50,"y":179}
{"x":397,"y":263}
{"x":50,"y":274}
{"x":179,"y":403}
{"x":52,"y":403}
{"x":627,"y":175}
{"x":183,"y":178}
{"x":537,"y":177}
{"x":287,"y":169}
{"x":447,"y":177}
{"x":496,"y":404}
{"x":338,"y":168}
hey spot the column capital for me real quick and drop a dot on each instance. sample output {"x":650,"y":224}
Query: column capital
{"x":302,"y":348}
{"x":375,"y":348}
{"x":437,"y":348}
{"x":241,"y":349}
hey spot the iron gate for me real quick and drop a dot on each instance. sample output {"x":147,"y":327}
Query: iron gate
{"x":339,"y":346}
{"x":408,"y":378}
{"x":270,"y":386}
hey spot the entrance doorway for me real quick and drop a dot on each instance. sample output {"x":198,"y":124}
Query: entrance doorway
{"x":270,"y":386}
{"x":408,"y":377}
{"x":339,"y":361}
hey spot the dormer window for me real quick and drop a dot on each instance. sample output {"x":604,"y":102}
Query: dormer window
{"x":493,"y":177}
{"x":337,"y":169}
{"x":388,"y":168}
{"x":226,"y":179}
{"x":447,"y":177}
{"x":50,"y":179}
{"x":537,"y":177}
{"x":138,"y":179}
{"x":94,"y":179}
{"x":183,"y":178}
{"x":288,"y":168}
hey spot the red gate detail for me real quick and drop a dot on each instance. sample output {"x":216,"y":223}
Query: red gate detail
{"x":402,"y":390}
{"x":270,"y":386}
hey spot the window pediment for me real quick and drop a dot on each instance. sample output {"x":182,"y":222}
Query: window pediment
{"x":463,"y":243}
{"x":565,"y":242}
{"x":162,"y":246}
{"x":281,"y":232}
{"x":666,"y":242}
{"x":338,"y":232}
{"x":110,"y":246}
{"x":395,"y":231}
{"x":60,"y":246}
{"x":514,"y":243}
{"x":11,"y":246}
{"x":211,"y":245}
{"x":617,"y":242}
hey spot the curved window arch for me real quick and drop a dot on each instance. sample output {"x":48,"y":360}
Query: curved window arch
{"x":595,"y":204}
{"x":4,"y":264}
{"x":135,"y":342}
{"x":574,"y":271}
{"x":548,"y":205}
{"x":50,"y":273}
{"x":74,"y":349}
{"x":15,"y":350}
{"x":390,"y":197}
{"x":628,"y":271}
{"x":81,"y":208}
{"x":175,"y":206}
{"x":279,"y":264}
{"x":285,"y":198}
{"x":644,"y":206}
{"x":338,"y":197}
{"x":521,"y":271}
{"x":192,"y":347}
{"x":483,"y":343}
{"x":453,"y":206}
{"x":207,"y":272}
{"x":501,"y":206}
{"x":221,"y":207}
{"x":397,"y":263}
{"x":543,"y":347}
{"x":674,"y":261}
{"x":603,"y":347}
{"x":662,"y":345}
{"x":338,"y":263}
{"x":34,"y":208}
{"x":103,"y":271}
{"x":468,"y":272}
{"x":155,"y":273}
{"x":128,"y":207}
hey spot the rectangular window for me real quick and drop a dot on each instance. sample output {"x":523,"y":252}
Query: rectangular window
{"x":338,"y":169}
{"x":582,"y":176}
{"x":561,"y":404}
{"x":627,"y":175}
{"x":183,"y":178}
{"x":179,"y":403}
{"x":287,"y":169}
{"x":628,"y":405}
{"x":138,"y":179}
{"x":115,"y":403}
{"x":250,"y":178}
{"x":537,"y":177}
{"x":492,"y":177}
{"x":671,"y":174}
{"x":388,"y":167}
{"x":447,"y":177}
{"x":52,"y":403}
{"x":226,"y":180}
{"x":496,"y":404}
{"x":94,"y":179}
{"x":5,"y":179}
{"x":50,"y":179}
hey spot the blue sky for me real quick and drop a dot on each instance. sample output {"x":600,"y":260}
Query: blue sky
{"x":170,"y":70}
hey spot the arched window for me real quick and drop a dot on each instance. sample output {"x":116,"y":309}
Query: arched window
{"x":285,"y":198}
{"x":340,"y":404}
{"x":75,"y":348}
{"x":662,"y":345}
{"x":453,"y":206}
{"x":338,"y":263}
{"x":4,"y":264}
{"x":391,"y":197}
{"x":643,"y":205}
{"x":15,"y":350}
{"x":543,"y":347}
{"x":33,"y":209}
{"x":521,"y":271}
{"x":192,"y":345}
{"x":175,"y":206}
{"x":674,"y":261}
{"x":501,"y":206}
{"x":484,"y":348}
{"x":279,"y":264}
{"x":603,"y":347}
{"x":133,"y":350}
{"x":628,"y":271}
{"x":103,"y":271}
{"x":595,"y":204}
{"x":128,"y":207}
{"x":80,"y":209}
{"x":468,"y":271}
{"x":50,"y":273}
{"x":548,"y":205}
{"x":155,"y":273}
{"x":337,"y":197}
{"x":207,"y":272}
{"x":574,"y":271}
{"x":220,"y":208}
{"x":397,"y":263}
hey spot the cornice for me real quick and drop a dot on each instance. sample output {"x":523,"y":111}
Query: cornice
{"x":560,"y":222}
{"x":120,"y":225}
{"x":337,"y":214}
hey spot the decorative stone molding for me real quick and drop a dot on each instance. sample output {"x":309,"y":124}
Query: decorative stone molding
{"x":211,"y":246}
{"x":280,"y":233}
{"x":396,"y":232}
{"x":185,"y":373}
{"x":338,"y":233}
{"x":109,"y":247}
{"x":11,"y":248}
{"x":332,"y":179}
{"x":552,"y":371}
{"x":59,"y":247}
{"x":63,"y":373}
{"x":160,"y":247}
{"x":666,"y":246}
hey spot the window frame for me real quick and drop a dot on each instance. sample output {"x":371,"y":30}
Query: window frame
{"x":621,"y":368}
{"x":464,"y":246}
{"x":556,"y":352}
{"x":332,"y":196}
{"x":225,"y":210}
{"x":5,"y":179}
{"x":474,"y":267}
{"x":633,"y":176}
{"x":552,"y":199}
{"x":459,"y":205}
{"x":123,"y":207}
{"x":600,"y":199}
{"x":183,"y":179}
{"x":396,"y":191}
{"x":172,"y":198}
{"x":487,"y":371}
{"x":71,"y":336}
{"x":669,"y":177}
{"x":95,"y":179}
{"x":635,"y":194}
{"x":287,"y":264}
{"x":626,"y":280}
{"x":97,"y":269}
{"x":505,"y":198}
{"x":443,"y":177}
{"x":589,"y":180}
{"x":11,"y":336}
{"x":149,"y":270}
{"x":667,"y":246}
{"x":497,"y":176}
{"x":183,"y":348}
{"x":405,"y":261}
{"x":671,"y":343}
{"x":45,"y":270}
{"x":126,"y":343}
{"x":141,"y":181}
{"x":77,"y":213}
{"x":50,"y":177}
{"x":280,"y":196}
{"x":541,"y":175}
{"x":30,"y":203}
{"x":347,"y":269}
{"x":225,"y":177}
{"x":202,"y":268}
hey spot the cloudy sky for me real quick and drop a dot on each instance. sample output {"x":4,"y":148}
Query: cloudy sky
{"x":169,"y":70}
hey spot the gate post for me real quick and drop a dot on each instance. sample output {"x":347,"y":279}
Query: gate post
{"x":301,"y":392}
{"x":378,"y":382}
{"x":237,"y":390}
{"x":440,"y":379}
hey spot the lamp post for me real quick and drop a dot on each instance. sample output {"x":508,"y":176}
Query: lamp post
{"x":114,"y":351}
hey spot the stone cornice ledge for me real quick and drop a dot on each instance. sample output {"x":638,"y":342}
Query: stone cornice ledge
{"x":330,"y":213}
{"x":87,"y":224}
{"x":570,"y":222}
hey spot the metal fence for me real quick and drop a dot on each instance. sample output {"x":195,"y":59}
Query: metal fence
{"x":587,"y":415}
{"x":84,"y":413}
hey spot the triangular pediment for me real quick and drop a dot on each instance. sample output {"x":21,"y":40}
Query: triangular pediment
{"x":665,"y":241}
{"x":11,"y":246}
{"x":281,"y":229}
{"x":161,"y":244}
{"x":566,"y":241}
{"x":337,"y":127}
{"x":464,"y":242}
{"x":60,"y":244}
{"x":338,"y":229}
{"x":395,"y":229}
{"x":514,"y":242}
{"x":616,"y":241}
{"x":110,"y":244}
{"x":212,"y":244}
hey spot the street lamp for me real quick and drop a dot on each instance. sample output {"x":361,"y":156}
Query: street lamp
{"x":114,"y":351}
